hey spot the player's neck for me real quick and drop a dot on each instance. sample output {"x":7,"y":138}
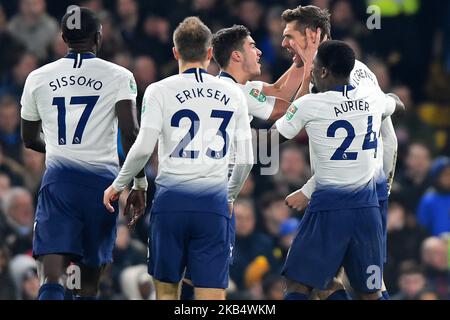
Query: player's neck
{"x":82,"y":49}
{"x":182,"y":67}
{"x":335,"y":83}
{"x":237,"y":74}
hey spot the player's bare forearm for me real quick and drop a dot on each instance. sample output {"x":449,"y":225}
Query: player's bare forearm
{"x":31,"y":135}
{"x":304,"y":89}
{"x":279,"y":109}
{"x":286,"y":86}
{"x":128,"y":125}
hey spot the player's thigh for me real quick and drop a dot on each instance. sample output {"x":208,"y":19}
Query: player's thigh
{"x":209,"y":250}
{"x":99,"y":229}
{"x":319,"y":247}
{"x":209,"y":294}
{"x":166,"y":290}
{"x":58,"y":225}
{"x":363,"y":262}
{"x":168,"y":239}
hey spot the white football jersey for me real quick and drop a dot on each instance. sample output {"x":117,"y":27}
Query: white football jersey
{"x":75,"y":99}
{"x":259,"y":105}
{"x":342,"y":127}
{"x":198,"y":116}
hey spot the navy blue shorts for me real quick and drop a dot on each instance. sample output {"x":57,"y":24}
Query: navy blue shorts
{"x":196,"y":241}
{"x":327,"y":240}
{"x":71,"y":219}
{"x":384,"y":213}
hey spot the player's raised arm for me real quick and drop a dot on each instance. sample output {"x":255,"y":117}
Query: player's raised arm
{"x":287,"y":85}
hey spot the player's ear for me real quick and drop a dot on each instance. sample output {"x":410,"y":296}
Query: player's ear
{"x":176,"y":55}
{"x":236,"y":56}
{"x":324,"y":73}
{"x":209,"y":53}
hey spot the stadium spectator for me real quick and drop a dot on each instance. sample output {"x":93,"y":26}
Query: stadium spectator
{"x":11,"y":47}
{"x":413,"y":181}
{"x":128,"y":18}
{"x":7,"y":287}
{"x":34,"y":27}
{"x":145,"y":72}
{"x":433,"y":210}
{"x":30,"y":285}
{"x":273,"y":287}
{"x":274,"y":213}
{"x":18,"y":208}
{"x":435,"y":263}
{"x":13,"y":84}
{"x":294,"y":171}
{"x":403,"y":242}
{"x":10,"y":139}
{"x":411,"y":282}
{"x":252,"y":250}
{"x":127,"y":252}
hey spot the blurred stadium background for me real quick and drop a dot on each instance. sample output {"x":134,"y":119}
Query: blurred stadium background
{"x":410,"y":56}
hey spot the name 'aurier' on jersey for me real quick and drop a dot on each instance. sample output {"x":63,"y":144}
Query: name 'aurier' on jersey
{"x":75,"y":99}
{"x":342,"y":126}
{"x":198,"y":116}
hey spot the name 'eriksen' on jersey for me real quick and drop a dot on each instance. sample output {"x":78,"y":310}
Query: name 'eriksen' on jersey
{"x":351,"y":106}
{"x":82,"y":81}
{"x":202,"y":93}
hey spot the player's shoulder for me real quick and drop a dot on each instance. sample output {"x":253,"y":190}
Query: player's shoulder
{"x":312,"y":97}
{"x":44,"y":70}
{"x":112,"y":67}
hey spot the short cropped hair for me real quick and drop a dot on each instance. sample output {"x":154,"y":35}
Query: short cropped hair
{"x":311,"y":17}
{"x":227,"y":40}
{"x":192,"y":38}
{"x":337,"y":56}
{"x":89,"y":25}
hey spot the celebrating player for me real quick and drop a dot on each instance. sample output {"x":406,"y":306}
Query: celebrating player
{"x":342,"y":225}
{"x":79,"y":101}
{"x":195,"y":116}
{"x":305,"y":28}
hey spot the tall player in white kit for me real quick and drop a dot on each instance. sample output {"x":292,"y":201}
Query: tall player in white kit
{"x":306,"y":27}
{"x":79,"y":101}
{"x":195,"y":117}
{"x":342,"y":224}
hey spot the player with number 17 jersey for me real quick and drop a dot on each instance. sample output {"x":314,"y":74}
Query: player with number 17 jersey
{"x":75,"y":98}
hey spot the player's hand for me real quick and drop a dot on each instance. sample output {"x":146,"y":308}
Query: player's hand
{"x":297,"y":200}
{"x":110,"y":195}
{"x":136,"y":202}
{"x":312,"y":44}
{"x":230,"y":208}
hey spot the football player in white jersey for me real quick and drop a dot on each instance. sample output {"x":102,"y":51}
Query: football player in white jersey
{"x":195,"y":116}
{"x":238,"y":57}
{"x":79,"y":101}
{"x":305,"y":28}
{"x":236,"y":53}
{"x":342,"y":225}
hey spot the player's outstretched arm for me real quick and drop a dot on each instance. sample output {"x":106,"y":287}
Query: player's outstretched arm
{"x":399,"y":105}
{"x":128,"y":125}
{"x":31,"y":135}
{"x":279,"y":109}
{"x":287,"y":85}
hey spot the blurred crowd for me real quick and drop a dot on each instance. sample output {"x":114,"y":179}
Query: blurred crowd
{"x":410,"y":55}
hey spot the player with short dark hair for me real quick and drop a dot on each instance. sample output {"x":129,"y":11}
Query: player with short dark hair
{"x":79,"y":101}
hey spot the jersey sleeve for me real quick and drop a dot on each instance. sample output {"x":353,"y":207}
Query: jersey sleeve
{"x":296,"y":117}
{"x":242,"y":144}
{"x":29,"y":110}
{"x":389,"y":106}
{"x":259,"y":105}
{"x":152,"y":109}
{"x":127,"y":89}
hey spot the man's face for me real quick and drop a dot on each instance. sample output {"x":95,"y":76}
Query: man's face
{"x":292,"y":34}
{"x":317,"y":74}
{"x":251,"y":57}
